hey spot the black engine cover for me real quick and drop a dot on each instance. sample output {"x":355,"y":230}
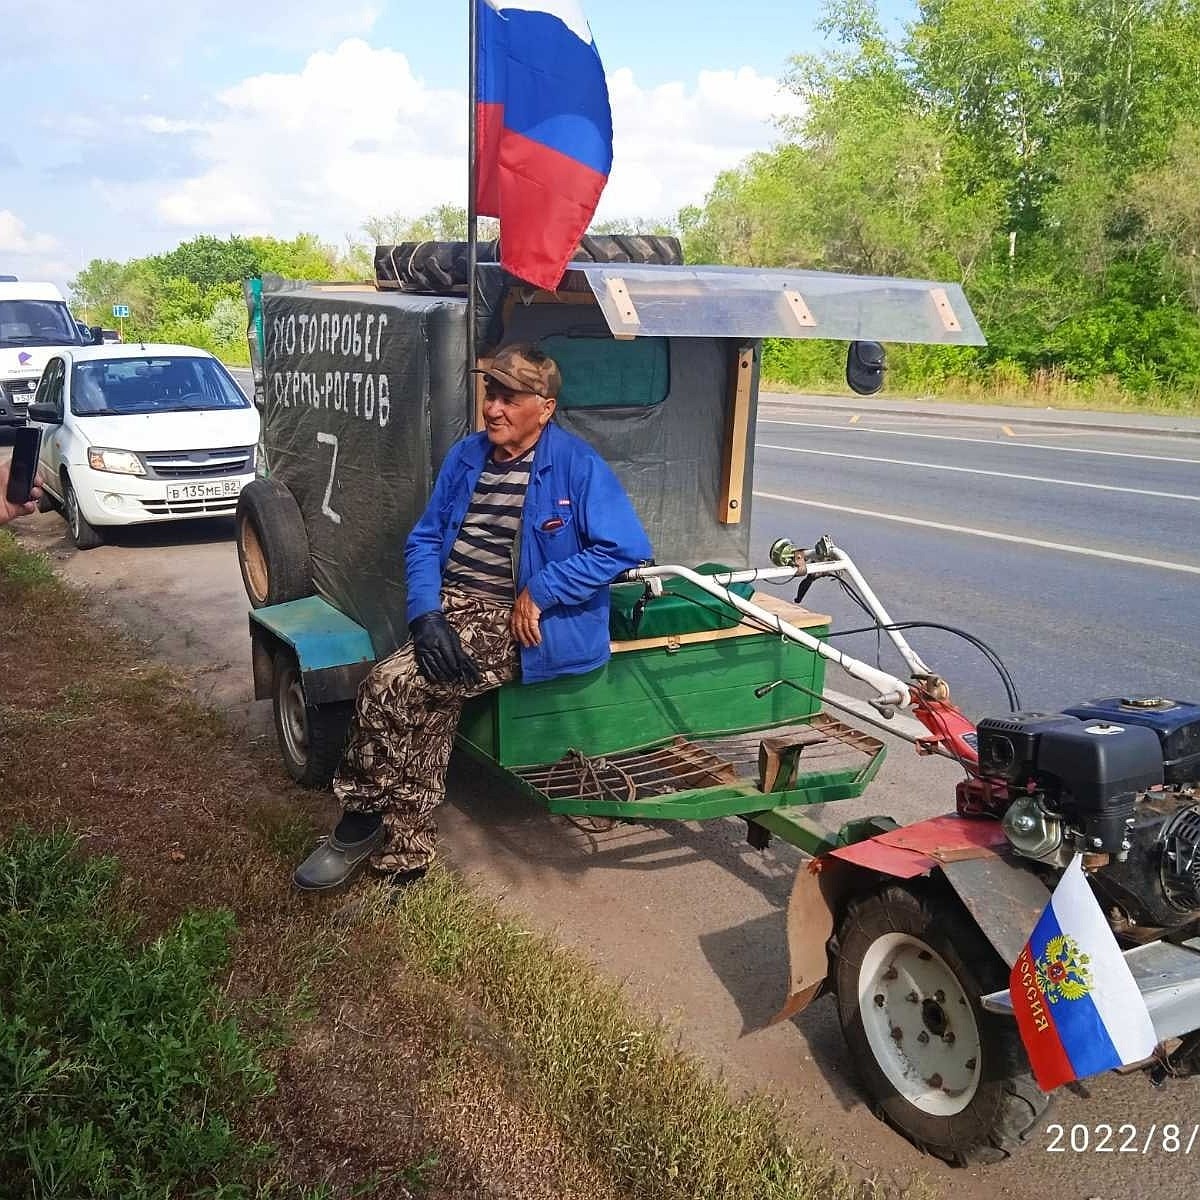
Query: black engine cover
{"x":1176,"y":722}
{"x":1098,"y":769}
{"x":1008,"y":746}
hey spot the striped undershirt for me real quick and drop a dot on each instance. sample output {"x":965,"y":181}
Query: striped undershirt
{"x":481,"y":560}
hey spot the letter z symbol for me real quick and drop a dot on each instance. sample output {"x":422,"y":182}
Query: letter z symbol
{"x":329,"y":439}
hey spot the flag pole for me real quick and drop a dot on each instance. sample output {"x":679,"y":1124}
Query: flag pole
{"x":472,"y":191}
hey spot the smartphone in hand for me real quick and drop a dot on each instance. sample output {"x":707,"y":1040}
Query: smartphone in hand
{"x":27,"y":445}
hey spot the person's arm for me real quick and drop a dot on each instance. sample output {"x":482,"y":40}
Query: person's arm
{"x":612,"y":536}
{"x":10,"y":512}
{"x":423,"y":549}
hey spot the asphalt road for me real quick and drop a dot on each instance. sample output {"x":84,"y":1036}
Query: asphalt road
{"x":688,"y":916}
{"x":1073,"y":554}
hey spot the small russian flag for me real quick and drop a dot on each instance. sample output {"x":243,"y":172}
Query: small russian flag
{"x":544,"y":132}
{"x":1076,"y":1002}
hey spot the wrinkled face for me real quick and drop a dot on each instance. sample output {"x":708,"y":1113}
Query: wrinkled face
{"x":514,"y":420}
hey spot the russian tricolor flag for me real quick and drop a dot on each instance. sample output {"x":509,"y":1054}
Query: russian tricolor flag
{"x":544,"y":130}
{"x":1076,"y":1003}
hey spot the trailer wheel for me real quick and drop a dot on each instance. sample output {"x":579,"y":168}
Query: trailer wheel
{"x":272,"y":544}
{"x":954,"y":1079}
{"x":311,"y":737}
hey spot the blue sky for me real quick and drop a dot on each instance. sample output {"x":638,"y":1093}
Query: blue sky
{"x":136,"y":127}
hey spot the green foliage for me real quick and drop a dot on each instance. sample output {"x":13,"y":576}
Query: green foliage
{"x":190,"y":294}
{"x":119,"y":1067}
{"x":1041,"y":152}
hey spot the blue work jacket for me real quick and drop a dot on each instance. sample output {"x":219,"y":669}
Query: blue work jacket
{"x":578,"y":533}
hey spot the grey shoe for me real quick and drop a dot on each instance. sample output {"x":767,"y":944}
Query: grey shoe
{"x":334,"y":863}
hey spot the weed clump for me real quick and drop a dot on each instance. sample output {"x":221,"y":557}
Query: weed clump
{"x":118,"y":1064}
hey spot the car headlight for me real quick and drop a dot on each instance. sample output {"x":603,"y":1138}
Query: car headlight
{"x":119,"y":462}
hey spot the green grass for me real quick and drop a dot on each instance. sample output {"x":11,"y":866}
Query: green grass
{"x":620,"y":1090}
{"x":119,"y":1066}
{"x":123,"y":1075}
{"x":20,"y":567}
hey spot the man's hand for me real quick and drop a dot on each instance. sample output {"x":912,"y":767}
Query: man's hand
{"x":525,"y":618}
{"x":10,"y":512}
{"x":440,"y":655}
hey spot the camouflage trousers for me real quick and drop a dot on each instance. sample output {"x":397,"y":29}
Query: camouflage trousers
{"x":403,"y":731}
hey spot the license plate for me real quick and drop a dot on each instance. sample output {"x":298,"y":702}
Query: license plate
{"x":214,"y":489}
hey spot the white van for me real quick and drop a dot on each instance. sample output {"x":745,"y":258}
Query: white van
{"x":34,"y":322}
{"x":135,"y":433}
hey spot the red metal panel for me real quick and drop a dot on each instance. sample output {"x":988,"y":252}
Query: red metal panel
{"x":949,"y":834}
{"x":876,"y":855}
{"x":917,"y":849}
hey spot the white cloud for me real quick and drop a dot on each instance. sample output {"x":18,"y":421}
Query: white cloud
{"x":16,"y":239}
{"x":168,"y":125}
{"x":356,"y":133}
{"x":171,"y":37}
{"x":30,"y":255}
{"x":671,"y":141}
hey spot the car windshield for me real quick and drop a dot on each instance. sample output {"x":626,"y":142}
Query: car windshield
{"x":131,"y":386}
{"x":37,"y":323}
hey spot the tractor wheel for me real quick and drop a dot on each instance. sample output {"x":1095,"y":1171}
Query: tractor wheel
{"x":311,"y":737}
{"x":911,"y":968}
{"x":630,"y":248}
{"x":272,"y":545}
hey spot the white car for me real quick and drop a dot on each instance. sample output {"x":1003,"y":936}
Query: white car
{"x":34,"y":324}
{"x":139,"y":433}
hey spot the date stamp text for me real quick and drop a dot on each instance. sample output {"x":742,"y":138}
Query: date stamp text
{"x":1165,"y":1138}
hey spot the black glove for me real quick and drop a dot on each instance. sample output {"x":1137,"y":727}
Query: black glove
{"x":440,"y":656}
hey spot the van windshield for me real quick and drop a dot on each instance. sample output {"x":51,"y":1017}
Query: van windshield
{"x":37,"y":323}
{"x":131,"y":386}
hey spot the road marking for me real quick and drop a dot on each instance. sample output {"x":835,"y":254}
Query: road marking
{"x":942,"y":437}
{"x":901,"y":462}
{"x":992,"y":535}
{"x":1008,"y":431}
{"x":854,"y":419}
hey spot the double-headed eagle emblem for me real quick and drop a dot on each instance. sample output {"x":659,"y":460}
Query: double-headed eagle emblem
{"x":1063,"y":972}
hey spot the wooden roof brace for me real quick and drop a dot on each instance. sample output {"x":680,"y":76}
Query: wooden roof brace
{"x":626,"y":312}
{"x":945,"y":310}
{"x":800,"y":311}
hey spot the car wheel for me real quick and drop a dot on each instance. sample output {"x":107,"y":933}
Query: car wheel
{"x":311,"y":737}
{"x":911,"y":968}
{"x":272,"y":545}
{"x":85,"y":535}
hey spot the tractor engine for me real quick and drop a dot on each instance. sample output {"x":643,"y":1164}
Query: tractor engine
{"x":1117,"y":780}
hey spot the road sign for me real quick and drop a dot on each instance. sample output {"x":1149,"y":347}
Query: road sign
{"x":121,"y":310}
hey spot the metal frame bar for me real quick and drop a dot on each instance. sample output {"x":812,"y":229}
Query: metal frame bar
{"x":893,"y":691}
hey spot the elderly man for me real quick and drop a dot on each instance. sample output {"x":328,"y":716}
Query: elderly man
{"x":508,"y":572}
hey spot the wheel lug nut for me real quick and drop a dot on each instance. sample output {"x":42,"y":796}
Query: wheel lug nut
{"x":913,"y":998}
{"x":897,"y":1033}
{"x":890,"y":974}
{"x":940,"y":996}
{"x":934,"y":1081}
{"x":878,"y":999}
{"x":971,"y":1064}
{"x":922,"y":1037}
{"x":948,"y":1038}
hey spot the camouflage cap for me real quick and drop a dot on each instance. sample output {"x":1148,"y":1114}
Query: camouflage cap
{"x":524,"y":368}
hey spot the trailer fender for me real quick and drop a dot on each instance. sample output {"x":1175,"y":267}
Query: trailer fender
{"x":819,"y":893}
{"x":334,"y":652}
{"x":999,"y":891}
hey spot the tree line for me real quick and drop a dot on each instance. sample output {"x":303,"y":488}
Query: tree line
{"x":1044,"y":153}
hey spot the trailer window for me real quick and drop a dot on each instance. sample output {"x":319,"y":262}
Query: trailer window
{"x":600,"y":372}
